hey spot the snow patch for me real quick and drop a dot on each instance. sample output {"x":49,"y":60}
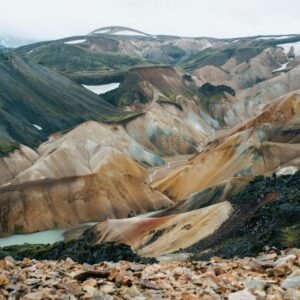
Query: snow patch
{"x":103,"y":31}
{"x":37,"y":127}
{"x":128,"y":32}
{"x":119,"y":32}
{"x":282,"y":68}
{"x":274,"y":37}
{"x":103,"y":88}
{"x":74,"y":42}
{"x":145,"y":215}
{"x":291,"y":170}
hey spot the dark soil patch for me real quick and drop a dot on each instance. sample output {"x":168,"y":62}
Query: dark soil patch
{"x":266,"y":214}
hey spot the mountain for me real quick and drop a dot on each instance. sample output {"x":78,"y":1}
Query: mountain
{"x":36,"y":101}
{"x":256,"y":147}
{"x":263,"y":145}
{"x":201,"y":132}
{"x":13,"y":41}
{"x":106,"y":180}
{"x":85,"y":59}
{"x":256,"y":69}
{"x":106,"y":53}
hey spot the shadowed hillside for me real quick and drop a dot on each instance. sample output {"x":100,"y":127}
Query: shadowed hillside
{"x":35,"y":101}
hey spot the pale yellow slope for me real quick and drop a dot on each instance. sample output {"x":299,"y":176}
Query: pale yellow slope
{"x":116,"y":190}
{"x":256,"y":147}
{"x":16,"y":162}
{"x":80,"y":151}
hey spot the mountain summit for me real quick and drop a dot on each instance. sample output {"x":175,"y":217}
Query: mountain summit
{"x":119,"y":30}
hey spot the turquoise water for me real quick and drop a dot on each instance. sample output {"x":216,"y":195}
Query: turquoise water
{"x":49,"y":236}
{"x":42,"y":237}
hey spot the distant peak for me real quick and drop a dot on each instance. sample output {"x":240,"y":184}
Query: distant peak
{"x":119,"y":30}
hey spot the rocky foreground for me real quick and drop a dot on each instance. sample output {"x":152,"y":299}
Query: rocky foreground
{"x":272,"y":275}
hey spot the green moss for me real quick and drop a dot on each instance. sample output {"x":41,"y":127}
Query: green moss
{"x":124,"y":118}
{"x":29,"y":250}
{"x":218,"y":56}
{"x":82,"y":251}
{"x":291,"y":235}
{"x":83,"y":65}
{"x":209,"y":56}
{"x":31,"y":94}
{"x":7,"y":146}
{"x":18,"y":229}
{"x":97,"y":77}
{"x":187,"y":77}
{"x":211,"y":94}
{"x":129,"y":92}
{"x":208,"y":90}
{"x":173,"y":52}
{"x":170,"y":94}
{"x":162,"y":100}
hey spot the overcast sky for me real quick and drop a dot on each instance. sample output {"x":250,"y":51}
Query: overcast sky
{"x":49,"y":19}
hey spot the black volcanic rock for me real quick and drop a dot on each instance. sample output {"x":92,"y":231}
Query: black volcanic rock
{"x":267,"y":213}
{"x":81,"y":251}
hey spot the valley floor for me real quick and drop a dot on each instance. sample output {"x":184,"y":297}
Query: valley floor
{"x":272,"y":275}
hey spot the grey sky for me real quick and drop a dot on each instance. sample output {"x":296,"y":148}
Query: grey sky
{"x":48,"y":19}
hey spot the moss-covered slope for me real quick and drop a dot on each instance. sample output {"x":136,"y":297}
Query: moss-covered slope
{"x":95,"y":62}
{"x":218,"y":56}
{"x":33,"y":95}
{"x":78,"y":250}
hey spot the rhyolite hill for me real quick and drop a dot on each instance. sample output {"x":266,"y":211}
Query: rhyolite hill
{"x":203,"y":130}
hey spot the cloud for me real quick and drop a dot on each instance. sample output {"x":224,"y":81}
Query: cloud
{"x":49,"y":19}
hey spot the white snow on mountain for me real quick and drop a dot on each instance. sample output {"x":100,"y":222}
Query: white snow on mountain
{"x":37,"y":127}
{"x":103,"y":88}
{"x":282,"y":68}
{"x":274,"y":37}
{"x":74,"y":42}
{"x":128,"y":32}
